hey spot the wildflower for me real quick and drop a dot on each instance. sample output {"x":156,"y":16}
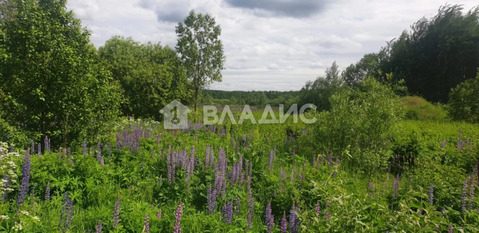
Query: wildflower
{"x":228,"y":212}
{"x":269,"y":218}
{"x":318,"y":209}
{"x":211,"y":200}
{"x":471,"y":195}
{"x":66,"y":214}
{"x":464,"y":195}
{"x":32,"y":148}
{"x":158,"y":216}
{"x":98,"y":227}
{"x":116,"y":212}
{"x":47,"y":192}
{"x":146,"y":223}
{"x":293,"y":220}
{"x":177,"y":228}
{"x":84,"y":147}
{"x":25,"y":179}
{"x":284,"y":224}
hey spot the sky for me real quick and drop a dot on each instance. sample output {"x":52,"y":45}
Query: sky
{"x":268,"y":44}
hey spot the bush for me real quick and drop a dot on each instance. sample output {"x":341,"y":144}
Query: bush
{"x":417,"y":108}
{"x":463,"y":101}
{"x":357,"y":127}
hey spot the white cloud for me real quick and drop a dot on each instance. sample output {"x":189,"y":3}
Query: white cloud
{"x":267,"y":46}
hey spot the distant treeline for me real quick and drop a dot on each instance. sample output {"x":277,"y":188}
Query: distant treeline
{"x":253,"y":98}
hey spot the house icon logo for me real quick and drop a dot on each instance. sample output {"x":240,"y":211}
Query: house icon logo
{"x":175,"y":115}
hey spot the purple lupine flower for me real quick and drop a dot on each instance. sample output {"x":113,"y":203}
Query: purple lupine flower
{"x":32,"y":148}
{"x":443,"y":144}
{"x":431,"y":194}
{"x":85,"y":149}
{"x":67,"y":213}
{"x":146,"y":224}
{"x":223,"y":188}
{"x":47,"y":192}
{"x":39,"y":149}
{"x":330,"y":159}
{"x":250,"y":204}
{"x":271,"y":157}
{"x":464,"y":195}
{"x":327,"y":215}
{"x":293,"y":223}
{"x":471,"y":195}
{"x":211,"y":200}
{"x":207,"y":157}
{"x":269,"y":218}
{"x":177,"y":228}
{"x":22,"y":193}
{"x":249,"y":218}
{"x":237,"y":205}
{"x":158,"y":216}
{"x":318,"y":209}
{"x":98,"y":227}
{"x":284,"y":224}
{"x":228,"y":212}
{"x":449,"y":229}
{"x":116,"y":212}
{"x":46,"y":142}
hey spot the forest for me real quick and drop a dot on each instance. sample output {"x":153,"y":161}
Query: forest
{"x":84,"y":148}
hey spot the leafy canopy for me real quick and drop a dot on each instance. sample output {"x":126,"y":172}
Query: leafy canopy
{"x":200,"y":50}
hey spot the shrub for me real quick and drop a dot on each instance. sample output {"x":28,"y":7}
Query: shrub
{"x":357,"y":127}
{"x":463,"y":101}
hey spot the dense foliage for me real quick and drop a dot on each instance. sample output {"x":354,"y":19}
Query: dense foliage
{"x":200,"y":50}
{"x":464,"y":101}
{"x":434,"y":56}
{"x":252,"y":98}
{"x":62,"y":92}
{"x":319,"y":91}
{"x":244,"y":178}
{"x":357,"y":129}
{"x":150,"y":76}
{"x":359,"y":168}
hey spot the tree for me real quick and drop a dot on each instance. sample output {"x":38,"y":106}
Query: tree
{"x":437,"y":54}
{"x":357,"y":128}
{"x":317,"y":92}
{"x":464,"y":101}
{"x":355,"y":73}
{"x":200,"y":50}
{"x":150,"y":69}
{"x":51,"y":81}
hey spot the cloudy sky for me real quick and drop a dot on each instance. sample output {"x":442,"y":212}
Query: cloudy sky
{"x":269,"y":44}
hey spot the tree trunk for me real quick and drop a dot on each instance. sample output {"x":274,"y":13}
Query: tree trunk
{"x":197,"y":92}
